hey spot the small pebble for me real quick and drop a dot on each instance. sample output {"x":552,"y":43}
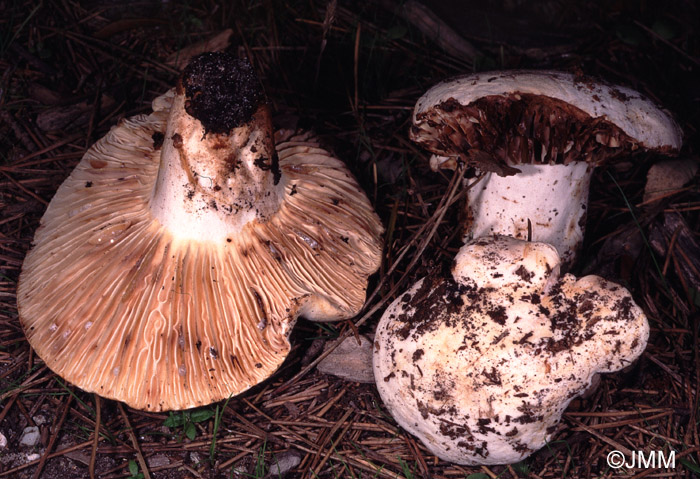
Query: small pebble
{"x":195,"y":458}
{"x":30,"y":436}
{"x":40,"y":420}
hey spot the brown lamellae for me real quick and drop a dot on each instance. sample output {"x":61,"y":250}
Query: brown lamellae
{"x":497,"y":131}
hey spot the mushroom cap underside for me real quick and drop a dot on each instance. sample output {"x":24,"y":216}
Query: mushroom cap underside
{"x":482,"y":375}
{"x":496,"y":119}
{"x":118,"y":305}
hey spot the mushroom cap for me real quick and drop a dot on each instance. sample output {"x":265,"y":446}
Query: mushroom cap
{"x":481,"y":367}
{"x":120,"y":305}
{"x":613,"y":116}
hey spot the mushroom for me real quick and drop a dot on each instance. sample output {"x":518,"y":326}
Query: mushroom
{"x":481,"y":366}
{"x":537,"y":136}
{"x":171,"y":265}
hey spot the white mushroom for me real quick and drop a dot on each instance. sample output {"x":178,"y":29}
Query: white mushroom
{"x":481,"y":367}
{"x":173,"y":262}
{"x":537,"y":135}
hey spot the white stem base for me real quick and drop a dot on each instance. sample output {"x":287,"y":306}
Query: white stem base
{"x":554,"y":198}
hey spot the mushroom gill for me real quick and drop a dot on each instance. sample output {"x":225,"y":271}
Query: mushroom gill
{"x":172,"y":315}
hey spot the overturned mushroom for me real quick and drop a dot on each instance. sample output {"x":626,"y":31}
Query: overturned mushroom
{"x":537,"y":135}
{"x":173,"y":262}
{"x":481,"y":366}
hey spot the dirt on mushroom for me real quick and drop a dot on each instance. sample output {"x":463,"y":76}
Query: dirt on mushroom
{"x":481,"y":366}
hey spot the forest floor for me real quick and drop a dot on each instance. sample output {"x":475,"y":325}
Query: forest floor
{"x":352,"y":71}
